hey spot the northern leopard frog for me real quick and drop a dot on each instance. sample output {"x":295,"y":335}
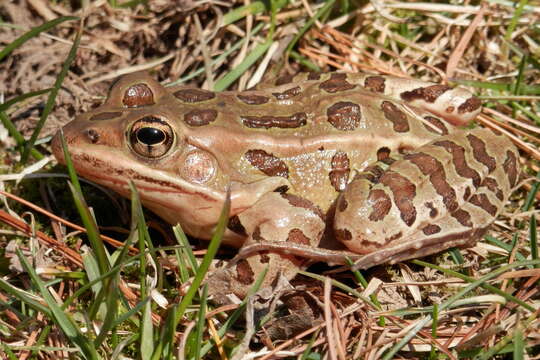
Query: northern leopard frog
{"x":377,"y":163}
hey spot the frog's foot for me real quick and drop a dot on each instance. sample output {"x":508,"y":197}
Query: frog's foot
{"x":275,"y":218}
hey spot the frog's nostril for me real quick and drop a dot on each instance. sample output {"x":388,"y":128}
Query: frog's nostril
{"x":92,"y":135}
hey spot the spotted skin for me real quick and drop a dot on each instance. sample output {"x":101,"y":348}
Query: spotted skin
{"x":374,"y":162}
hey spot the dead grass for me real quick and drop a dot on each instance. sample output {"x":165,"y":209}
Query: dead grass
{"x":491,"y":48}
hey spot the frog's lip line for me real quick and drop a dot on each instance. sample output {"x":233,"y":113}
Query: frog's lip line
{"x":100,"y":161}
{"x":160,"y":189}
{"x":142,"y":187}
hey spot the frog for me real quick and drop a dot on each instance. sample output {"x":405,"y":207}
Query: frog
{"x":316,"y":165}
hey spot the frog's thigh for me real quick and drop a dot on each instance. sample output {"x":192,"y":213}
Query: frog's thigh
{"x":444,"y":194}
{"x":275,"y":217}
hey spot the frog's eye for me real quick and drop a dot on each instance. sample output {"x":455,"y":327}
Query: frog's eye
{"x":151,"y":137}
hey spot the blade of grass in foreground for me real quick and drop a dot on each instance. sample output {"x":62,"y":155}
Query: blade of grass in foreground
{"x":52,"y":95}
{"x":146,"y":339}
{"x":33,"y":32}
{"x":15,"y":134}
{"x":61,"y":318}
{"x":164,"y":346}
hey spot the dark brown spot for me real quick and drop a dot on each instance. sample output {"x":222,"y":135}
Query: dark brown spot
{"x":383,"y":153}
{"x":267,"y":121}
{"x":431,"y":229}
{"x":380,"y":203}
{"x":393,"y":237}
{"x":471,"y":104}
{"x":313,"y":75}
{"x":438,"y":124}
{"x":429,"y":93}
{"x":404,"y":192}
{"x":336,"y":83}
{"x":433,"y":168}
{"x":138,"y":95}
{"x":287,"y":94}
{"x":433,"y":212}
{"x":482,"y":201}
{"x":375,"y":84}
{"x":106,"y":116}
{"x":372,"y":174}
{"x":480,"y":154}
{"x":284,"y":79}
{"x":450,"y":109}
{"x":252,"y":99}
{"x":300,"y":202}
{"x":194,"y":95}
{"x":463,"y":217}
{"x":256,"y":235}
{"x":264,"y":258}
{"x":339,"y":176}
{"x":344,"y":115}
{"x":267,"y":163}
{"x":467,"y":193}
{"x":510,"y":167}
{"x":458,"y":159}
{"x":281,"y":189}
{"x":244,"y":273}
{"x":200,"y":117}
{"x":236,"y":226}
{"x":493,"y":186}
{"x":343,"y":235}
{"x":342,"y":204}
{"x":92,"y":135}
{"x":396,"y":116}
{"x":405,"y":148}
{"x":298,"y":237}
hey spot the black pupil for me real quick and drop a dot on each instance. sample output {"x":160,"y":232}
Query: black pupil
{"x":150,"y":136}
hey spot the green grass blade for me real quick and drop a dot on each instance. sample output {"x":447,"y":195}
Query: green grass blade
{"x":183,"y":241}
{"x":201,"y":319}
{"x":515,"y":19}
{"x":531,"y":196}
{"x":32,"y":33}
{"x":504,"y":246}
{"x":52,"y":95}
{"x":250,"y":59}
{"x":327,"y":7}
{"x":533,"y":235}
{"x":241,"y":12}
{"x":64,"y":322}
{"x":519,"y":344}
{"x":138,"y":222}
{"x":6,"y":105}
{"x":69,"y":164}
{"x":23,"y":297}
{"x":211,"y":251}
{"x":218,"y":59}
{"x":91,"y":230}
{"x":15,"y":134}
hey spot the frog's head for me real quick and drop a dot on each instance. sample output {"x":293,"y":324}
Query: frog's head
{"x":134,"y":136}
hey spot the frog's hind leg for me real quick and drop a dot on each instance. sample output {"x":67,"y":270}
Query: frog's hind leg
{"x":276,"y":217}
{"x":444,"y":194}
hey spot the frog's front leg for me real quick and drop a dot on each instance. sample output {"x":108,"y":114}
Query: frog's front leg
{"x":275,"y":217}
{"x":444,"y":194}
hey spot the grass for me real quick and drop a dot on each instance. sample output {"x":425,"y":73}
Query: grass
{"x":142,"y":298}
